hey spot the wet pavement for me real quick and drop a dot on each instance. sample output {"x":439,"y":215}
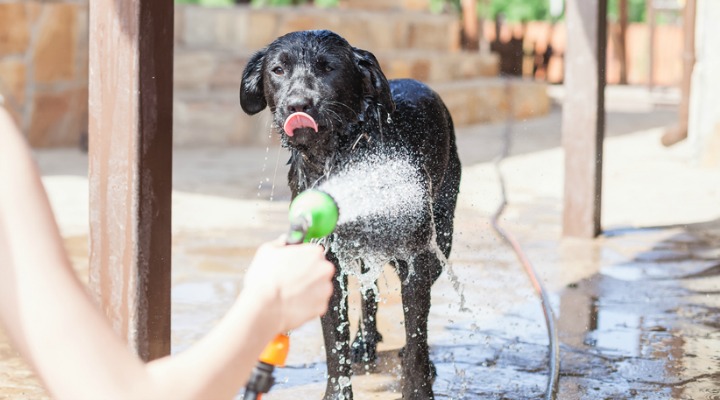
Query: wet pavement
{"x":638,"y":308}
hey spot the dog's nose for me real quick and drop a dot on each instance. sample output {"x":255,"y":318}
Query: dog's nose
{"x":303,"y":104}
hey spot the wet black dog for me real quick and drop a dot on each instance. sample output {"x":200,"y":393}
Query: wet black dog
{"x":332,"y":103}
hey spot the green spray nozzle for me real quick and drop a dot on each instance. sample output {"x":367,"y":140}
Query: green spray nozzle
{"x":313,"y":215}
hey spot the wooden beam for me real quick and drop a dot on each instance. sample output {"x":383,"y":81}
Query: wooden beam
{"x":583,"y":120}
{"x":130,"y":126}
{"x":471,"y":25}
{"x":622,"y":43}
{"x":651,"y":21}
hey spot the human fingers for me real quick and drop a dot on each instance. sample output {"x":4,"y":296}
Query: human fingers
{"x":306,"y":291}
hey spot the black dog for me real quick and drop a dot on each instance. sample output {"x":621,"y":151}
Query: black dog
{"x":332,"y":103}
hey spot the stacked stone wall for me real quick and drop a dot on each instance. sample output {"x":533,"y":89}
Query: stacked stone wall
{"x":44,"y":65}
{"x":43,"y":68}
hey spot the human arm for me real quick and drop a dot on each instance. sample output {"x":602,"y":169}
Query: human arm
{"x":57,"y":328}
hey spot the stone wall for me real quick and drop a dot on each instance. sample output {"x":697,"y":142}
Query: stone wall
{"x":245,"y":28}
{"x":44,"y":65}
{"x":43,"y":68}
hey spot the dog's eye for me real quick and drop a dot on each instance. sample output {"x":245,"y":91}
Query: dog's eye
{"x":278,"y":71}
{"x":325,"y":67}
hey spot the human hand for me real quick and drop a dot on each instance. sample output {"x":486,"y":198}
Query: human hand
{"x":293,"y":282}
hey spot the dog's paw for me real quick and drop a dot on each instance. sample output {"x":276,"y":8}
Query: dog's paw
{"x":419,"y":386}
{"x":364,"y":348}
{"x":338,"y":396}
{"x":433,"y":370}
{"x":335,"y":391}
{"x":418,"y":394}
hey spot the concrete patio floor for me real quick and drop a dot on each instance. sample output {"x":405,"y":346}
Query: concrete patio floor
{"x":637,"y":307}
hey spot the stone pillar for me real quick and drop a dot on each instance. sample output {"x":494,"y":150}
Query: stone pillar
{"x":704,"y":121}
{"x":43,"y":68}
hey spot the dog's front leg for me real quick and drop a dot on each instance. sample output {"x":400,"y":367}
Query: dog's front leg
{"x":364,"y":347}
{"x":336,"y":332}
{"x":418,"y":371}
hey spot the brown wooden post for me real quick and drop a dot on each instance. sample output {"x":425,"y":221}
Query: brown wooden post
{"x":622,"y":43}
{"x":650,"y":16}
{"x":583,"y":120}
{"x":471,"y":25}
{"x":130,"y":112}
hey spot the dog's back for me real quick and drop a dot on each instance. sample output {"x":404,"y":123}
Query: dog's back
{"x":425,"y":126}
{"x":420,"y":134}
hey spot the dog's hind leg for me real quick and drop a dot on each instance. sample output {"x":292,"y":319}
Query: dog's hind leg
{"x":444,"y":205}
{"x":364,"y":347}
{"x":418,"y":372}
{"x":336,"y":333}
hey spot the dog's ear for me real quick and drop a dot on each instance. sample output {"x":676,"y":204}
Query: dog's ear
{"x":252,"y":91}
{"x":375,"y":84}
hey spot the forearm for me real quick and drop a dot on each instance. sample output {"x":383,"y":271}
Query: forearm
{"x":44,"y":307}
{"x":55,"y":325}
{"x":233,"y":347}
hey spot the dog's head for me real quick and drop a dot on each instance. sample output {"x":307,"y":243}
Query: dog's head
{"x":315,"y":84}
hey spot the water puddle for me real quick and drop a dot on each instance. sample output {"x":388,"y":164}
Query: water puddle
{"x":640,"y":329}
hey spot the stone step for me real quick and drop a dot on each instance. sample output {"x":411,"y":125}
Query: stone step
{"x":242,"y":28}
{"x":491,"y":99}
{"x":215,"y":117}
{"x":438,"y":67}
{"x":211,"y":69}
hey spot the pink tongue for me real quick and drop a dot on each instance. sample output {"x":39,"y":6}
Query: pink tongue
{"x":299,"y":120}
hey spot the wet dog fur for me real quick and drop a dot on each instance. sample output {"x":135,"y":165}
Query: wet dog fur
{"x":358,"y":111}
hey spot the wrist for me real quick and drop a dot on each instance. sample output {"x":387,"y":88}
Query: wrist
{"x":264,"y":305}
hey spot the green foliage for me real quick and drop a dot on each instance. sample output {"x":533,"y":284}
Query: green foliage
{"x":208,"y":3}
{"x":326,"y":3}
{"x":513,"y":10}
{"x":518,"y":10}
{"x":274,"y":3}
{"x":439,"y":6}
{"x":636,"y":10}
{"x":261,"y":3}
{"x":283,"y":3}
{"x":533,"y":10}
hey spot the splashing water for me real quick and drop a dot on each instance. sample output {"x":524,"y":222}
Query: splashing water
{"x":385,"y":214}
{"x":379,"y":186}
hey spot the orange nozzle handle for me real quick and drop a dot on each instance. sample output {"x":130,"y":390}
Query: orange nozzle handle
{"x":276,"y":352}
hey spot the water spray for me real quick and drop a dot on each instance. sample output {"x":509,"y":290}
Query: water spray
{"x":313,"y":215}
